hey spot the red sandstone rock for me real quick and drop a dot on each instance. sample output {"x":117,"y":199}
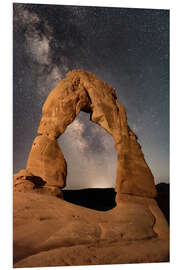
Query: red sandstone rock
{"x":52,"y":232}
{"x":47,"y":161}
{"x":82,"y":90}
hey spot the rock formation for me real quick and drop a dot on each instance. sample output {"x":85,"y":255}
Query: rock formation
{"x":83,"y":91}
{"x":25,"y":181}
{"x":53,"y":232}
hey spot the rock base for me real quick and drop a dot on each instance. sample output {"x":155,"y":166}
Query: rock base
{"x":24,"y":181}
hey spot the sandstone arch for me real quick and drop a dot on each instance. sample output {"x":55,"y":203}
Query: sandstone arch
{"x":83,"y":91}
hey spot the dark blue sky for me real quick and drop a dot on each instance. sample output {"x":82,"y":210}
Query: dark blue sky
{"x":128,"y":48}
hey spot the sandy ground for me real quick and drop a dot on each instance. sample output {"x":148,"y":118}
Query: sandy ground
{"x":49,"y":231}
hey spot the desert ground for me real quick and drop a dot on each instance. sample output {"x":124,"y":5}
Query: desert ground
{"x":49,"y":231}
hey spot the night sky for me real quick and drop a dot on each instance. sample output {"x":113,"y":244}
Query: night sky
{"x":127,"y":48}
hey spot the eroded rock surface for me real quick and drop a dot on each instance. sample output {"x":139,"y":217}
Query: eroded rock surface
{"x":25,"y":181}
{"x":46,"y":160}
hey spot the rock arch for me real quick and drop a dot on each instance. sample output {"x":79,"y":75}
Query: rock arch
{"x":83,"y":91}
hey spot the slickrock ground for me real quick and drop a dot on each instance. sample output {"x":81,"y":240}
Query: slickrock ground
{"x":49,"y":231}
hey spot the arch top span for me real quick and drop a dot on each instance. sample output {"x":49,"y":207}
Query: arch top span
{"x":83,"y":91}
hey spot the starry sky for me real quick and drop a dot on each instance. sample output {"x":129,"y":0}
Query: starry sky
{"x":126,"y":47}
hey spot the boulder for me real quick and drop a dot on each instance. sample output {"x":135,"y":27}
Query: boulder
{"x":25,"y":181}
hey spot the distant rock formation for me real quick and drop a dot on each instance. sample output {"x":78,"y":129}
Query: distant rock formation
{"x":83,"y":91}
{"x":163,"y":199}
{"x":101,"y":199}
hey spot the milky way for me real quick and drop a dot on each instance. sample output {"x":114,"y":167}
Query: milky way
{"x":128,"y":48}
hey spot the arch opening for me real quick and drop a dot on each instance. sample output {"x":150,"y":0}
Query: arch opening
{"x":91,"y":164}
